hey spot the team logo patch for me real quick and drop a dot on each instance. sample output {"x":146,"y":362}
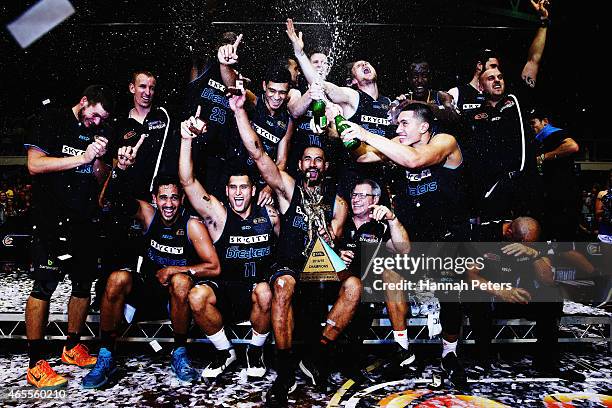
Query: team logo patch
{"x":7,"y":241}
{"x":259,"y":220}
{"x":481,"y":116}
{"x":508,"y":104}
{"x":129,"y":135}
{"x":180,"y":231}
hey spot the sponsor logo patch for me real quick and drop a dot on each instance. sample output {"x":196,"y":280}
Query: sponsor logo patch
{"x":166,"y":249}
{"x":375,"y":120}
{"x":72,"y":151}
{"x":254,"y":239}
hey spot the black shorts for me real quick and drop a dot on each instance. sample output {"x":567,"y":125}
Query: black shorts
{"x":149,"y":297}
{"x":233,"y":299}
{"x":276,"y":271}
{"x":68,"y":248}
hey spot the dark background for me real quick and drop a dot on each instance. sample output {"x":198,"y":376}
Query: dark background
{"x":104,"y":41}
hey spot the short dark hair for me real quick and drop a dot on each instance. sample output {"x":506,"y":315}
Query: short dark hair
{"x":240,"y":173}
{"x":421,"y":110}
{"x":140,"y":71}
{"x":166,"y":180}
{"x":314,"y":146}
{"x":539,"y":112}
{"x":483,"y":55}
{"x":101,"y":94}
{"x":278,"y":72}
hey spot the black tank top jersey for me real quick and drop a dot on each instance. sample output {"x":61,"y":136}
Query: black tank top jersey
{"x":168,"y":245}
{"x":294,"y":227}
{"x":208,"y":91}
{"x":469,"y":98}
{"x":270,"y":129}
{"x":371,"y":114}
{"x":245,"y":246}
{"x":430,"y":200}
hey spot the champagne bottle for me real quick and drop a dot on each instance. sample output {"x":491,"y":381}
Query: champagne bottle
{"x":351,"y":144}
{"x":318,"y":113}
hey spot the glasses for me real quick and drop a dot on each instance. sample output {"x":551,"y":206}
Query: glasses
{"x":362,"y":195}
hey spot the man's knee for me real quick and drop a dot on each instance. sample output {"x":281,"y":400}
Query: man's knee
{"x":351,"y":289}
{"x":119,"y":284}
{"x":284,"y":287}
{"x":43,"y":290}
{"x":180,"y":285}
{"x":262,"y":296}
{"x":200,"y":297}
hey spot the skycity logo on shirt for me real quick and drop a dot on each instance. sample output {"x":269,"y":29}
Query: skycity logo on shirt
{"x":166,"y":249}
{"x":265,"y":134}
{"x":418,"y":176}
{"x":375,"y":120}
{"x":216,"y":85}
{"x":72,"y":151}
{"x":254,"y":239}
{"x":156,"y":124}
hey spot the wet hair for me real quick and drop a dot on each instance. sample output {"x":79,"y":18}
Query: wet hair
{"x":421,"y":110}
{"x":314,"y":146}
{"x":143,"y":72}
{"x":374,"y":185}
{"x":278,"y":72}
{"x":166,"y":180}
{"x":101,"y":94}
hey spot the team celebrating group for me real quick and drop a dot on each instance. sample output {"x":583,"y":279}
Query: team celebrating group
{"x":231,"y":198}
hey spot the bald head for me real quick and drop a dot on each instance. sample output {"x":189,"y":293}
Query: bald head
{"x":525,"y":229}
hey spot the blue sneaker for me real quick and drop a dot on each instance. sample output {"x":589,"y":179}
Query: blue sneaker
{"x":103,"y":370}
{"x":182,"y":366}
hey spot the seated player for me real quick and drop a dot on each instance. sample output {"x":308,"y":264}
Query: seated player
{"x":178,"y":251}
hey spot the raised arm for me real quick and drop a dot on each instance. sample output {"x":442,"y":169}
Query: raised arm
{"x":283,"y":146}
{"x":339,"y":217}
{"x":282,"y":184}
{"x":346,"y":97}
{"x":207,"y":206}
{"x":228,"y":56}
{"x":530,"y":70}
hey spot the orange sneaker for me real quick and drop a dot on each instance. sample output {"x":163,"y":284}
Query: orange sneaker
{"x":79,"y":355}
{"x":42,"y":376}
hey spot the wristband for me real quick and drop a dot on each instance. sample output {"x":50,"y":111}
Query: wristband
{"x":544,"y":22}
